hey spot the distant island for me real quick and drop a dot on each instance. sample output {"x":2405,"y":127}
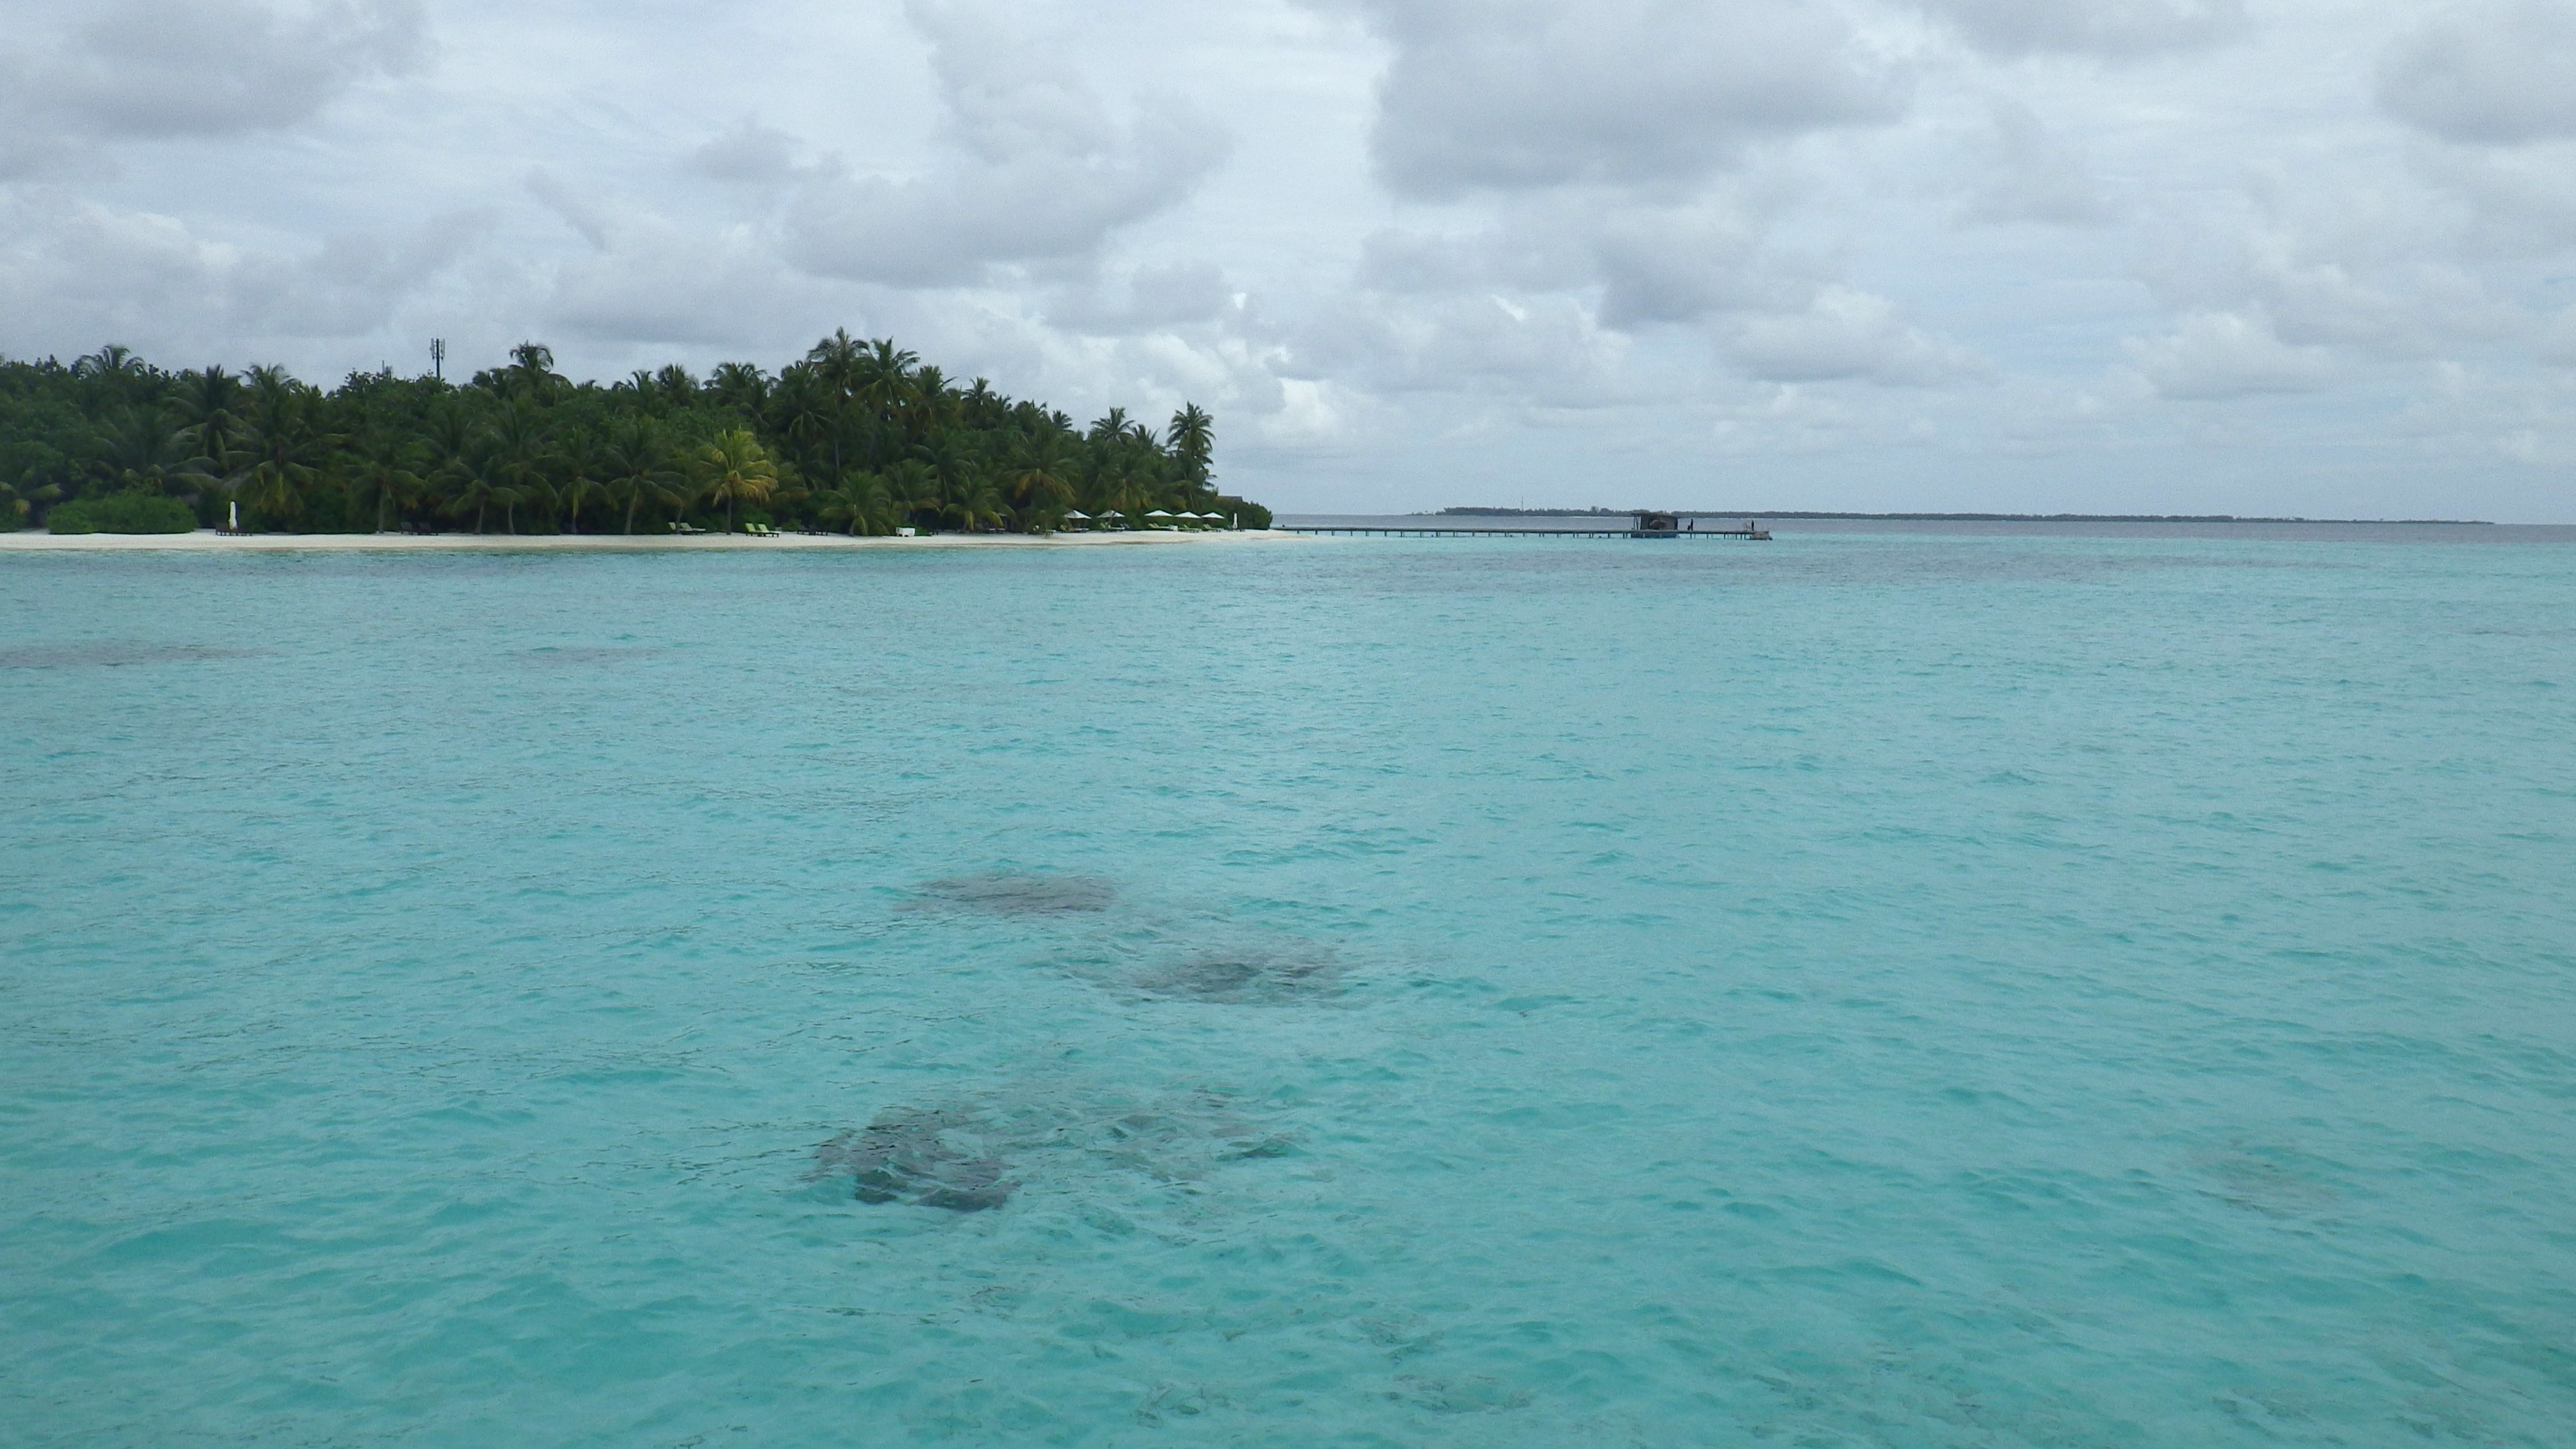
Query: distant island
{"x":857,"y":437}
{"x":1931,"y":517}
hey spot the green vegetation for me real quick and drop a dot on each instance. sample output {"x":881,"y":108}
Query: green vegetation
{"x":129,"y":512}
{"x":857,"y":437}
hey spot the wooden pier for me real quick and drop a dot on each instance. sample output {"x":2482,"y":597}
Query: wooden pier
{"x":1648,"y":525}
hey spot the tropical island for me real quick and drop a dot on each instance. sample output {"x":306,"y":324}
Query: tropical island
{"x":857,"y":437}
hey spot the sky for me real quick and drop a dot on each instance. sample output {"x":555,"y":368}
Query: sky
{"x":2309,"y":258}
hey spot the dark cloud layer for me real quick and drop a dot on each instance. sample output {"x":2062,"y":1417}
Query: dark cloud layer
{"x":187,"y":68}
{"x":1520,"y":94}
{"x":2110,"y":28}
{"x":1040,"y":168}
{"x":2498,"y":72}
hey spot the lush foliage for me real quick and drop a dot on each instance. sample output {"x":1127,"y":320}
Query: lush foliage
{"x":858,"y":437}
{"x":133,"y":511}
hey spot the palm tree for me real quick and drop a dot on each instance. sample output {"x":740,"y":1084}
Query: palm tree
{"x":531,"y":374}
{"x":803,"y":408}
{"x":523,"y":459}
{"x":1040,"y":475}
{"x":379,"y":470}
{"x":841,"y":361}
{"x":862,"y":500}
{"x":733,"y":467}
{"x":386,"y":481}
{"x":583,"y":475}
{"x":1129,"y":486}
{"x":635,"y":462}
{"x":913,"y":486}
{"x":882,"y":383}
{"x":476,"y":481}
{"x":1193,"y":442}
{"x":287,"y":450}
{"x":976,"y":501}
{"x":743,"y":387}
{"x":924,"y":405}
{"x":117,"y":373}
{"x":208,"y":406}
{"x":111,"y":360}
{"x":447,"y":447}
{"x":135,"y":451}
{"x":889,"y":363}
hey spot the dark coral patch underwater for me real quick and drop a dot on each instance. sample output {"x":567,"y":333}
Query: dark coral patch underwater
{"x":969,"y":1155}
{"x":1268,"y":977}
{"x":930,"y":1158}
{"x":1008,"y":893}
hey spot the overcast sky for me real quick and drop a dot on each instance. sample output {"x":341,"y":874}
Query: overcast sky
{"x":2250,"y":256}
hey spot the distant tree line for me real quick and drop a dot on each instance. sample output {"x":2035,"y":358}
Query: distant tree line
{"x":858,"y":437}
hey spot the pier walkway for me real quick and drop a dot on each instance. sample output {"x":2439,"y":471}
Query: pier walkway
{"x":1399,"y":531}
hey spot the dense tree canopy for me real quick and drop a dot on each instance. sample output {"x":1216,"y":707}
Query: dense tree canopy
{"x":858,"y":437}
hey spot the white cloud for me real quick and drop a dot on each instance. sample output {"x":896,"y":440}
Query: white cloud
{"x":1143,"y":300}
{"x":1681,"y":264}
{"x":2110,"y":28}
{"x":162,"y":69}
{"x":1520,"y":93}
{"x":749,"y":152}
{"x":2490,"y":72}
{"x":2036,"y":176}
{"x":1545,"y":351}
{"x":947,"y":227}
{"x":1040,"y":170}
{"x":75,"y":273}
{"x":2220,"y":355}
{"x":1845,"y":333}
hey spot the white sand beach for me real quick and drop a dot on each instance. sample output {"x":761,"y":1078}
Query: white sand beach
{"x":209,"y":541}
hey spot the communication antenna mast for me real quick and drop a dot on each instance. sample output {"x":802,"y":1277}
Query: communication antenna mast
{"x":438,"y":358}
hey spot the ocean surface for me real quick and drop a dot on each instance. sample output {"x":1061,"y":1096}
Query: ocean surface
{"x":1922,"y":987}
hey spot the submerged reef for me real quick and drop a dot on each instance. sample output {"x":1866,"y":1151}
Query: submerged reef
{"x":112,"y":654}
{"x":971,"y":1155}
{"x":1267,"y":977}
{"x":1007,"y":893}
{"x":930,"y":1158}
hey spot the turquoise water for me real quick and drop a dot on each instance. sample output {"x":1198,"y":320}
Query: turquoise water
{"x":1855,"y":990}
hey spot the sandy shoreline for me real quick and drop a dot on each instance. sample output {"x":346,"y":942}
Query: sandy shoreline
{"x":209,"y":541}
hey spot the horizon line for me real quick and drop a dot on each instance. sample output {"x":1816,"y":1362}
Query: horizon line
{"x":1475,"y":511}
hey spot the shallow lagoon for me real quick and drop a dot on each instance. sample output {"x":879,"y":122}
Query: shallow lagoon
{"x":1861,"y":989}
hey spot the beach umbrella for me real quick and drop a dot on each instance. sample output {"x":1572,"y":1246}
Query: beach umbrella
{"x":1156,"y":513}
{"x":1077,"y":513}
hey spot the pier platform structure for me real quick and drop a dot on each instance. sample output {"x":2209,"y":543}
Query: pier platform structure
{"x":1648,"y":525}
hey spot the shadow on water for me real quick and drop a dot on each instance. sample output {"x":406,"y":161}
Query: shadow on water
{"x":926,"y":1157}
{"x":971,"y":1155}
{"x":1006,"y":893}
{"x":1261,"y":977}
{"x":111,"y":654}
{"x":2272,"y":1180}
{"x":582,"y":654}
